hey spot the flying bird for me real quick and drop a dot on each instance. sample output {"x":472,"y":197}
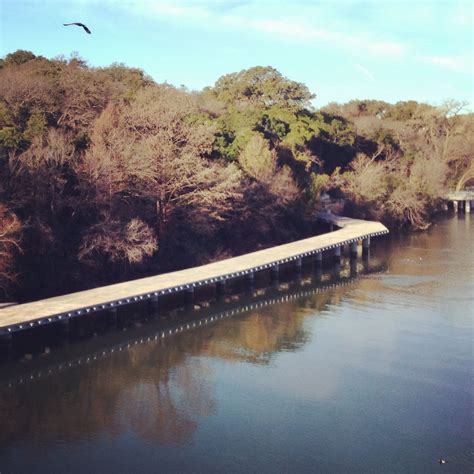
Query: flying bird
{"x":79,"y":24}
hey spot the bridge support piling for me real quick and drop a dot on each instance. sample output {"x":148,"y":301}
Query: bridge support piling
{"x":6,"y":347}
{"x":189,"y":297}
{"x":64,"y":328}
{"x":318,"y":260}
{"x":337,"y":255}
{"x":353,"y":250}
{"x":366,"y":261}
{"x":353,"y":267}
{"x":467,"y":207}
{"x":112,"y":317}
{"x":455,"y":206}
{"x":6,"y":343}
{"x":221,"y":289}
{"x":318,"y":274}
{"x":275,"y":272}
{"x":298,"y":267}
{"x":154,"y":306}
{"x":275,"y":276}
{"x":366,"y":246}
{"x":250,"y":282}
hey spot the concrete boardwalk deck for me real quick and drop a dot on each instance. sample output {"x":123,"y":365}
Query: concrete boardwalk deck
{"x":60,"y":308}
{"x":460,"y":196}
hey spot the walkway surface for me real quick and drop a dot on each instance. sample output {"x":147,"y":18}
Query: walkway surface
{"x":20,"y":317}
{"x":460,"y":196}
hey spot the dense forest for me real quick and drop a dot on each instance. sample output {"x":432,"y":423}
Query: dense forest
{"x":107,"y":175}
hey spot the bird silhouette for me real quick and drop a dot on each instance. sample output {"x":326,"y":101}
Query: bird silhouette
{"x":79,"y":24}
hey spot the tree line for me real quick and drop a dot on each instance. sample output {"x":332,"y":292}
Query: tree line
{"x":106,"y":174}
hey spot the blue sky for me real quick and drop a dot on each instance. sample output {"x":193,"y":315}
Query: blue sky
{"x":341,"y":50}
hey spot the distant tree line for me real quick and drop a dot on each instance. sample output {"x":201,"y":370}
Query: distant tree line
{"x":107,"y":175}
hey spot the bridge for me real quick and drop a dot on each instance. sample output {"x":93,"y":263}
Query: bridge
{"x":61,"y":309}
{"x":461,"y":200}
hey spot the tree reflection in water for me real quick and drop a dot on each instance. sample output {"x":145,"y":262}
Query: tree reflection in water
{"x":160,"y":389}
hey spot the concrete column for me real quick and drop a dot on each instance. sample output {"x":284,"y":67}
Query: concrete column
{"x":298,"y":267}
{"x":6,"y":347}
{"x":318,"y":274}
{"x":337,"y":255}
{"x":275,"y":271}
{"x":318,"y":259}
{"x":154,"y":306}
{"x":6,"y":342}
{"x":455,"y":206}
{"x":366,"y":261}
{"x":64,"y":325}
{"x":365,"y":246}
{"x":336,"y":271}
{"x":275,"y":275}
{"x":189,"y":297}
{"x":221,"y":288}
{"x":112,"y":317}
{"x":64,"y":330}
{"x":353,"y":250}
{"x":353,"y":267}
{"x":250,"y":281}
{"x":467,"y":207}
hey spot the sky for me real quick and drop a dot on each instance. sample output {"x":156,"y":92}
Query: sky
{"x":341,"y":49}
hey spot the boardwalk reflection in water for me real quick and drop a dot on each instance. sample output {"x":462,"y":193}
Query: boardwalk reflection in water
{"x":157,"y":384}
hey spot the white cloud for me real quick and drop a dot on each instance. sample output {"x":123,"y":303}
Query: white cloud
{"x":295,"y":30}
{"x":453,"y":63}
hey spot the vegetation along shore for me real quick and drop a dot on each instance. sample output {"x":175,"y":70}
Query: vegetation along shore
{"x":107,"y":175}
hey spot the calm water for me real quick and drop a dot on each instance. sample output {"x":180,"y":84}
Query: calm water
{"x":370,"y":376}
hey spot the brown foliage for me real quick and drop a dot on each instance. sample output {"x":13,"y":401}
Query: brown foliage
{"x":84,"y":96}
{"x":10,"y":231}
{"x":367,"y":180}
{"x":53,"y":150}
{"x":27,"y":87}
{"x":389,"y":190}
{"x":405,"y":205}
{"x":151,"y":152}
{"x":40,"y":176}
{"x":131,"y":243}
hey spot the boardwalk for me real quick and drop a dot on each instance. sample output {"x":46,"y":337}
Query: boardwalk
{"x":61,"y":308}
{"x":467,"y":195}
{"x":461,"y":200}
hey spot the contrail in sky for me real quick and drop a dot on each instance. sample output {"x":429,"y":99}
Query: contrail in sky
{"x":365,"y":71}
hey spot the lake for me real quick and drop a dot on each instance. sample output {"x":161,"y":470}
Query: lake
{"x":369,"y":370}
